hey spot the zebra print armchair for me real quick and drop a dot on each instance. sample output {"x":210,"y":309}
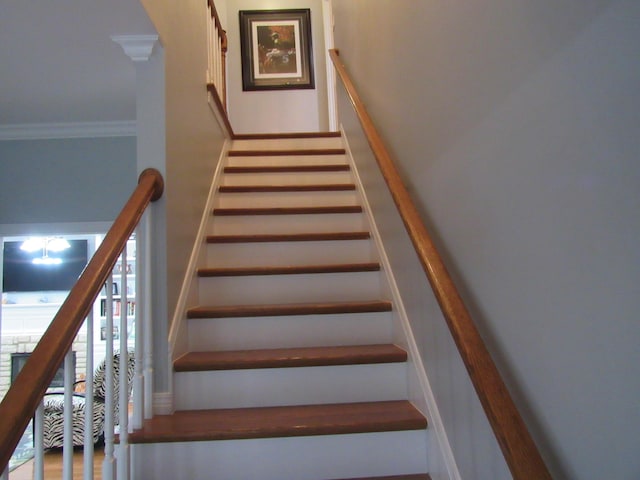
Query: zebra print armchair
{"x":54,"y":406}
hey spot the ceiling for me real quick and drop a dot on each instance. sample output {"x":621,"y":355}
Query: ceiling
{"x":58,"y":63}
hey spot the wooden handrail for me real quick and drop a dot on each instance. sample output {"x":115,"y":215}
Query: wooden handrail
{"x":222,"y":111}
{"x":519,"y":450}
{"x":26,"y":392}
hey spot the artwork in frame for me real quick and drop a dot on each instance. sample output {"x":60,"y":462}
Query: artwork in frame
{"x":276,"y":49}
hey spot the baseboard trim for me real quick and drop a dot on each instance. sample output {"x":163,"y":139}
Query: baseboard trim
{"x":162,"y":403}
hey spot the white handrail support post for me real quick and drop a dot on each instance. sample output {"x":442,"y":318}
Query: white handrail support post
{"x":67,"y":448}
{"x":88,"y":404}
{"x":108,"y":464}
{"x":123,"y":400}
{"x":38,"y":443}
{"x":138,"y":378}
{"x":147,"y":312}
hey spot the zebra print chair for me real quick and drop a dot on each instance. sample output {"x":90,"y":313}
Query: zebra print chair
{"x":54,"y":406}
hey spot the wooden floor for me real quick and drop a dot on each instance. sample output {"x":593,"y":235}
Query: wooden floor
{"x":53,"y":466}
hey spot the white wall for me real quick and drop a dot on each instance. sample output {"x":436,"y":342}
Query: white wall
{"x":270,"y":111}
{"x":515,"y":126}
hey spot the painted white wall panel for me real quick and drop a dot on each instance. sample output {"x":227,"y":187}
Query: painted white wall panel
{"x":292,"y":331}
{"x":290,"y":386}
{"x":295,"y":458}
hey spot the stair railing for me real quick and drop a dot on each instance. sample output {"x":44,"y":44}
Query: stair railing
{"x":518,"y":448}
{"x":25,"y":397}
{"x":217,"y":55}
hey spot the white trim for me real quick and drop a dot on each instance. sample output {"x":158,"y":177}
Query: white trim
{"x":178,"y":320}
{"x":218,"y":115}
{"x":427,"y":401}
{"x":328,"y":21}
{"x":80,"y":228}
{"x":137,"y":47}
{"x":45,"y":131}
{"x":162,"y":403}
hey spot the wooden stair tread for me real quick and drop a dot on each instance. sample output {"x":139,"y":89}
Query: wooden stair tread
{"x":269,"y":136}
{"x":226,"y":212}
{"x":411,"y":476}
{"x":286,"y":152}
{"x":291,"y":421}
{"x":290,"y":357}
{"x":337,"y":167}
{"x":288,"y":270}
{"x":289,"y":309}
{"x":328,"y":187}
{"x":288,"y":237}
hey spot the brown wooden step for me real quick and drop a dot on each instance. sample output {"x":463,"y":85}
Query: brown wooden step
{"x":339,"y":167}
{"x":414,"y":476}
{"x":288,"y":270}
{"x":226,"y":212}
{"x":329,"y":187}
{"x":269,"y":422}
{"x":288,"y":237}
{"x":289,"y":309}
{"x":286,"y":152}
{"x":270,"y":136}
{"x":290,"y":357}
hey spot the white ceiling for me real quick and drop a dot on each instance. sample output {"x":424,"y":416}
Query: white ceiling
{"x":58,"y":63}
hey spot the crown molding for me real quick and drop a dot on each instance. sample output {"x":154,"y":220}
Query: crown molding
{"x":137,"y":47}
{"x":45,"y":131}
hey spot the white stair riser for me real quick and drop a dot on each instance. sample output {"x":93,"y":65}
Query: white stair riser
{"x":263,"y":289}
{"x":277,"y":224}
{"x":287,"y":178}
{"x":272,"y":160}
{"x":287,"y":143}
{"x":293,"y":458}
{"x":257,"y":254}
{"x":290,"y":386}
{"x":285,"y":199}
{"x":290,"y":331}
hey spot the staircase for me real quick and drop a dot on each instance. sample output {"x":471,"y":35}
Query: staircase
{"x":291,"y":371}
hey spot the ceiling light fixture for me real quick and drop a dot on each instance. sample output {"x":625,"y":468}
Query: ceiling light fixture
{"x":46,"y":244}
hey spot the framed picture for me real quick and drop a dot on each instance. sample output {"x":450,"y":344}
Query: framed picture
{"x":276,"y":49}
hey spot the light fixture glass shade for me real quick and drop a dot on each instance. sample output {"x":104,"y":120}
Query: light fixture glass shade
{"x":33,"y":244}
{"x":57,"y":244}
{"x":47,"y":261}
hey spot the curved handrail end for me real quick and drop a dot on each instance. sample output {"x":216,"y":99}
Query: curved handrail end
{"x":157,"y":179}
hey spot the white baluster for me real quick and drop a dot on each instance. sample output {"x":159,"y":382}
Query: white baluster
{"x":138,"y":378}
{"x":123,"y":400}
{"x":88,"y":404}
{"x":67,"y":446}
{"x":108,"y":464}
{"x":209,"y":50}
{"x":148,"y":313}
{"x":214,"y":54}
{"x":38,"y":443}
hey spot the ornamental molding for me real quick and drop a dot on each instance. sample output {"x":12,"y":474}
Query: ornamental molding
{"x":137,"y":47}
{"x":45,"y":131}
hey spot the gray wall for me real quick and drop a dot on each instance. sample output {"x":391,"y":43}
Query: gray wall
{"x":65,"y":180}
{"x":190,"y":144}
{"x":515,"y":126}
